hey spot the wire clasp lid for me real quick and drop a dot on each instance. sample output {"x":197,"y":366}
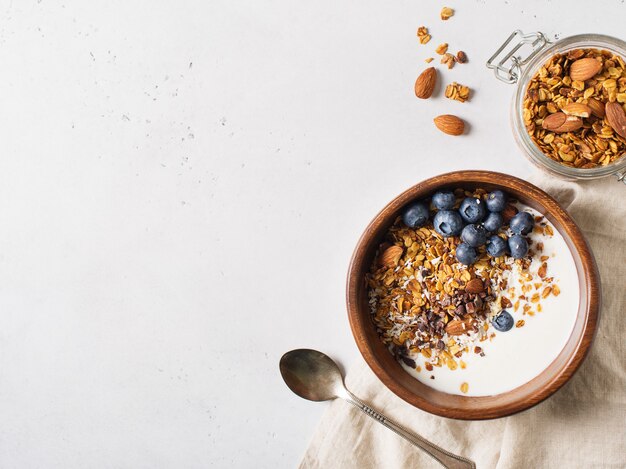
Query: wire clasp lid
{"x":506,"y":63}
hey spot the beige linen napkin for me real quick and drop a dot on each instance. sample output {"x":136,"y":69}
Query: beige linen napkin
{"x":582,"y":426}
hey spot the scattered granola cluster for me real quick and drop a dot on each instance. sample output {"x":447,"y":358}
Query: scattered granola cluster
{"x":424,"y":301}
{"x":575,"y":108}
{"x":446,"y":13}
{"x":425,"y":83}
{"x":447,"y":58}
{"x":422,"y":35}
{"x":457,"y":92}
{"x":442,"y":48}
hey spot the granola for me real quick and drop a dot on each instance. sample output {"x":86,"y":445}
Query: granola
{"x":442,"y":48}
{"x":446,"y":13}
{"x":424,"y":301}
{"x":448,"y":59}
{"x":565,"y":106}
{"x":457,"y":92}
{"x":422,"y":35}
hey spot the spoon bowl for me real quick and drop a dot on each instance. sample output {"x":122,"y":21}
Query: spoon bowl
{"x":312,"y":375}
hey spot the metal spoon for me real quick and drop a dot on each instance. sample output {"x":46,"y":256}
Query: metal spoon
{"x":316,"y":377}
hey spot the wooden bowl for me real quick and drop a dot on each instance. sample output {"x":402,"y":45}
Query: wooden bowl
{"x":390,"y":372}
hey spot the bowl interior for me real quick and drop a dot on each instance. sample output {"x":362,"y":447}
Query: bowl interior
{"x":420,"y":395}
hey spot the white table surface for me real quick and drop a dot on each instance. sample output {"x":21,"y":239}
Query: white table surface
{"x":181,"y":188}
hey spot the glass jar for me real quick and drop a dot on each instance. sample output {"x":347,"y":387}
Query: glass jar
{"x":517,"y":61}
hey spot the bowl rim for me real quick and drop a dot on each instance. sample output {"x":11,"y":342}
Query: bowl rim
{"x":591,"y":288}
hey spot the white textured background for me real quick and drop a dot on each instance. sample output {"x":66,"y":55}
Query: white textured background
{"x":181,"y":187}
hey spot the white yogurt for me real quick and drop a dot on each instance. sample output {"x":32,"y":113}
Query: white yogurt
{"x":515,"y":357}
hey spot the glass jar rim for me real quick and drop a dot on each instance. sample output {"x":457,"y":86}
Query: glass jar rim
{"x":597,"y":41}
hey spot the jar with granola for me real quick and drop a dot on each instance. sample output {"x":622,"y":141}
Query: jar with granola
{"x":569,"y":108}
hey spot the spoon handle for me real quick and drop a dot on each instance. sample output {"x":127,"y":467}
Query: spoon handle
{"x":446,"y":458}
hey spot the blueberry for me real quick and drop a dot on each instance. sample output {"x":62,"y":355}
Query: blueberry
{"x":503,"y":322}
{"x":472,"y":210}
{"x":466,"y":254}
{"x":496,"y":246}
{"x":493,"y":222}
{"x":415,"y":215}
{"x":444,"y":200}
{"x":496,"y":201}
{"x":518,"y":246}
{"x":474,"y":235}
{"x":522,"y":223}
{"x":448,"y":223}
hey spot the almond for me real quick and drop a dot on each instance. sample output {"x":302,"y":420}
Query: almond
{"x":554,"y":121}
{"x":577,"y":109}
{"x":458,"y":327}
{"x":390,"y":256}
{"x":584,"y":69}
{"x":597,"y":108}
{"x":425,"y":83}
{"x":450,"y":124}
{"x":474,"y":286}
{"x":561,"y":122}
{"x":616,"y":117}
{"x":571,"y":123}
